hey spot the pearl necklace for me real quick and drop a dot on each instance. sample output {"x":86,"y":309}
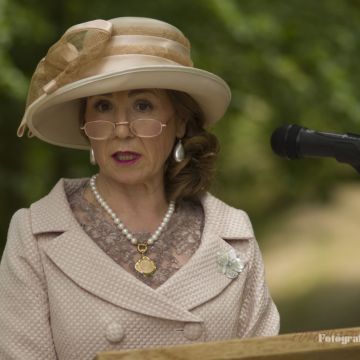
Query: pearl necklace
{"x":145,"y":265}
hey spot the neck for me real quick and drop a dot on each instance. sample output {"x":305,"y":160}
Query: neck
{"x":140,"y":207}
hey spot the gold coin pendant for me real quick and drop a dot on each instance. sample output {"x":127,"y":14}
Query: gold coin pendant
{"x":145,"y":266}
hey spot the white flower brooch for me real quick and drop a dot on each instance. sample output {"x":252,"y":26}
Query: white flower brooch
{"x":229,"y":263}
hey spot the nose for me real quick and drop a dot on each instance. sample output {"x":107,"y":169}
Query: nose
{"x":122,"y":130}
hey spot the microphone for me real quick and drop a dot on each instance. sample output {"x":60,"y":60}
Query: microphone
{"x":295,"y":142}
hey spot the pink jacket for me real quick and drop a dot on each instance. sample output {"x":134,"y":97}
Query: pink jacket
{"x":62,"y":297}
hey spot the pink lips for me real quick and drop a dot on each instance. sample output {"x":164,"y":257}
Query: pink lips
{"x":126,"y":157}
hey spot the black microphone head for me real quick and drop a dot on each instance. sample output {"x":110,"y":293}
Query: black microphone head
{"x":284,"y":141}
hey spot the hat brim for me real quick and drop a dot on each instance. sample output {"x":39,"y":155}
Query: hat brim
{"x":54,"y":118}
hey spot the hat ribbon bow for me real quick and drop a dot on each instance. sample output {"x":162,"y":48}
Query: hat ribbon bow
{"x":80,"y":44}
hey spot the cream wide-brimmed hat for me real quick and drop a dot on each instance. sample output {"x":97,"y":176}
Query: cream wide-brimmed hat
{"x":100,"y":57}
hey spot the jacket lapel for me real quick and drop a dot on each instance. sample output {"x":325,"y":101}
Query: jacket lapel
{"x":86,"y":264}
{"x":199,"y":280}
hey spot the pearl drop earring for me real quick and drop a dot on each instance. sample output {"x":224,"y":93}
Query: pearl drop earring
{"x":92,"y":157}
{"x":179,"y":152}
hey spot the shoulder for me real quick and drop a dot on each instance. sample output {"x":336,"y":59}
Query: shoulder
{"x":20,"y":240}
{"x":62,"y":188}
{"x":52,"y":213}
{"x":233,"y":222}
{"x":20,"y":222}
{"x":49,"y":214}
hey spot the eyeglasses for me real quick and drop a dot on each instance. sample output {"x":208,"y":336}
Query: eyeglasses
{"x":103,"y":130}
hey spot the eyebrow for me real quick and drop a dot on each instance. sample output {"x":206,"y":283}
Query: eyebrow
{"x":130,"y":93}
{"x":104,"y":95}
{"x":140,"y":91}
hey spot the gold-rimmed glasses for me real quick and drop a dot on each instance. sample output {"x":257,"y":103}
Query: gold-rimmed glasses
{"x":103,"y":130}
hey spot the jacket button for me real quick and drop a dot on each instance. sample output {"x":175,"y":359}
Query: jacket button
{"x":114,"y":332}
{"x":193,"y":331}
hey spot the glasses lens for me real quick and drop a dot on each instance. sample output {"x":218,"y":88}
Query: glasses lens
{"x":146,"y":127}
{"x":98,"y":130}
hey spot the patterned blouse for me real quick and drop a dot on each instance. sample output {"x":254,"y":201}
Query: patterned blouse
{"x":175,"y":246}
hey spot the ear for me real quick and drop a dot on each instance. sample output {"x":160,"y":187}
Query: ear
{"x":180,"y":128}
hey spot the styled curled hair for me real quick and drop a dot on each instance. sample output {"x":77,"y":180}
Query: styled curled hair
{"x":193,"y":176}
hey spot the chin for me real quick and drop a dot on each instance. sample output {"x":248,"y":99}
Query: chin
{"x":132,"y":176}
{"x":123,"y":178}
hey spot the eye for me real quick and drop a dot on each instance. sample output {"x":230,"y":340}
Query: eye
{"x":143,"y":105}
{"x":103,"y":106}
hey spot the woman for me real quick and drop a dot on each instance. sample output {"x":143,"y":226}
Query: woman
{"x":140,"y":255}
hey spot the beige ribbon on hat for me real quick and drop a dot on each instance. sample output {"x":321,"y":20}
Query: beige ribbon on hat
{"x":90,"y":37}
{"x":80,"y":44}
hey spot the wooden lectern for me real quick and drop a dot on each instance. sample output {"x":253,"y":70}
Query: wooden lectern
{"x":339,"y":344}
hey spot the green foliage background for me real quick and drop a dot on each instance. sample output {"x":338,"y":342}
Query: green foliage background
{"x":293,"y":61}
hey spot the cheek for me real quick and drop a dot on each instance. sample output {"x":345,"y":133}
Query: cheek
{"x":159,"y":150}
